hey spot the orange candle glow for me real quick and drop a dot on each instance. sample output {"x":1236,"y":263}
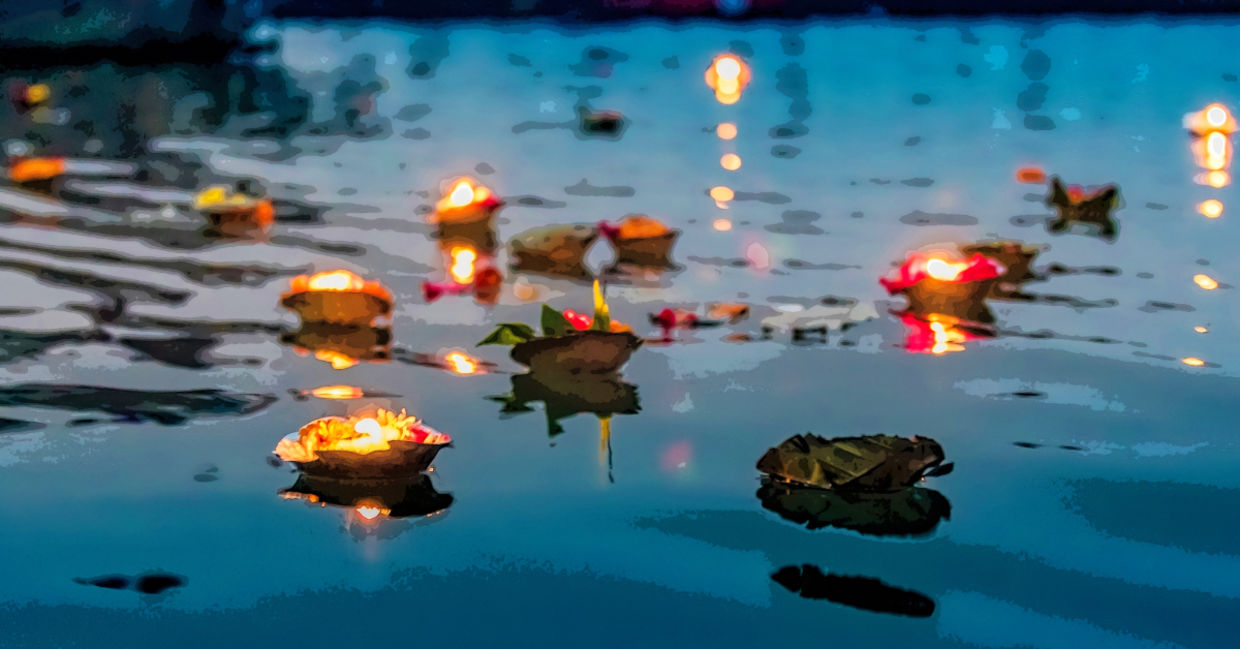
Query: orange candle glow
{"x":466,"y":200}
{"x":32,"y":169}
{"x":727,"y":76}
{"x":1211,"y":209}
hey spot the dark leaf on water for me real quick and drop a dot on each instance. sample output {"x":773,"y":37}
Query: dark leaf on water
{"x":878,"y":463}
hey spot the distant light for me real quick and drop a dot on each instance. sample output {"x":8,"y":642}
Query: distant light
{"x":1218,"y":179}
{"x":758,"y":256}
{"x":1216,"y":115}
{"x":722,"y":194}
{"x":1205,"y":281}
{"x":1030,"y":175}
{"x":1212,"y":209}
{"x":1192,"y":361}
{"x":722,"y":225}
{"x":730,"y":161}
{"x":726,"y":131}
{"x":728,"y":67}
{"x":1216,"y":145}
{"x":1200,"y":329}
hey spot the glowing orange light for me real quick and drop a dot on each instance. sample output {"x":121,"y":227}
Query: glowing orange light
{"x":945,"y":339}
{"x":722,"y":225}
{"x":944,"y":270}
{"x":1205,"y":281}
{"x":1216,"y":150}
{"x":464,"y":195}
{"x":460,"y":363}
{"x":1200,"y":329}
{"x":1218,"y":179}
{"x":337,"y":392}
{"x":1030,"y":175}
{"x":336,"y":280}
{"x":36,"y":169}
{"x":727,"y":76}
{"x":524,"y":291}
{"x":463,"y":264}
{"x":1192,"y":361}
{"x":337,"y":360}
{"x":722,"y":194}
{"x":1211,"y":209}
{"x":726,"y":131}
{"x":37,"y":93}
{"x":357,"y":434}
{"x":730,"y":161}
{"x":370,"y":429}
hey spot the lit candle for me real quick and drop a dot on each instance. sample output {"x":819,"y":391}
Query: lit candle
{"x":955,"y":288}
{"x":641,"y":240}
{"x":466,"y":201}
{"x":233,"y":212}
{"x":385,"y":444}
{"x":337,"y":297}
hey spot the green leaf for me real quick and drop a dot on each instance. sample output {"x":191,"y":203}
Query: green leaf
{"x":509,"y":333}
{"x":554,"y":323}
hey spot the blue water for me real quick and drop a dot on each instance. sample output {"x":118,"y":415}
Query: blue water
{"x":655,"y":536}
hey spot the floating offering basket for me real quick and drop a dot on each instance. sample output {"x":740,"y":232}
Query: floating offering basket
{"x":1075,"y":205}
{"x":387,"y":445}
{"x":641,"y":240}
{"x":953,"y":288}
{"x":227,"y":210}
{"x":337,"y":297}
{"x":572,"y":343}
{"x":554,"y":250}
{"x":467,"y":211}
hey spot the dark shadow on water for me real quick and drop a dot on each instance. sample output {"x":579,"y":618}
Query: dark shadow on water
{"x":910,"y":512}
{"x":564,"y":396}
{"x":402,"y":498}
{"x":864,"y":593}
{"x":135,"y":406}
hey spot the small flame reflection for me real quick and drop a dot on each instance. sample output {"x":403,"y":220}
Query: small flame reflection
{"x":460,"y":363}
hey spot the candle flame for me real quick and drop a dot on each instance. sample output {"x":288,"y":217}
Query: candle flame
{"x":337,"y":392}
{"x":1192,"y":361}
{"x":336,"y":280}
{"x":462,"y":194}
{"x":370,"y":428}
{"x":1211,"y":209}
{"x":944,"y":270}
{"x":462,"y":269}
{"x":460,"y":363}
{"x":1205,"y":281}
{"x":1216,"y":115}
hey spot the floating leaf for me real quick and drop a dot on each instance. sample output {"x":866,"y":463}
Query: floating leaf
{"x":554,"y":323}
{"x":509,"y":333}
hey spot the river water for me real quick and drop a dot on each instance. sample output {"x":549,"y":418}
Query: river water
{"x":148,"y":369}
